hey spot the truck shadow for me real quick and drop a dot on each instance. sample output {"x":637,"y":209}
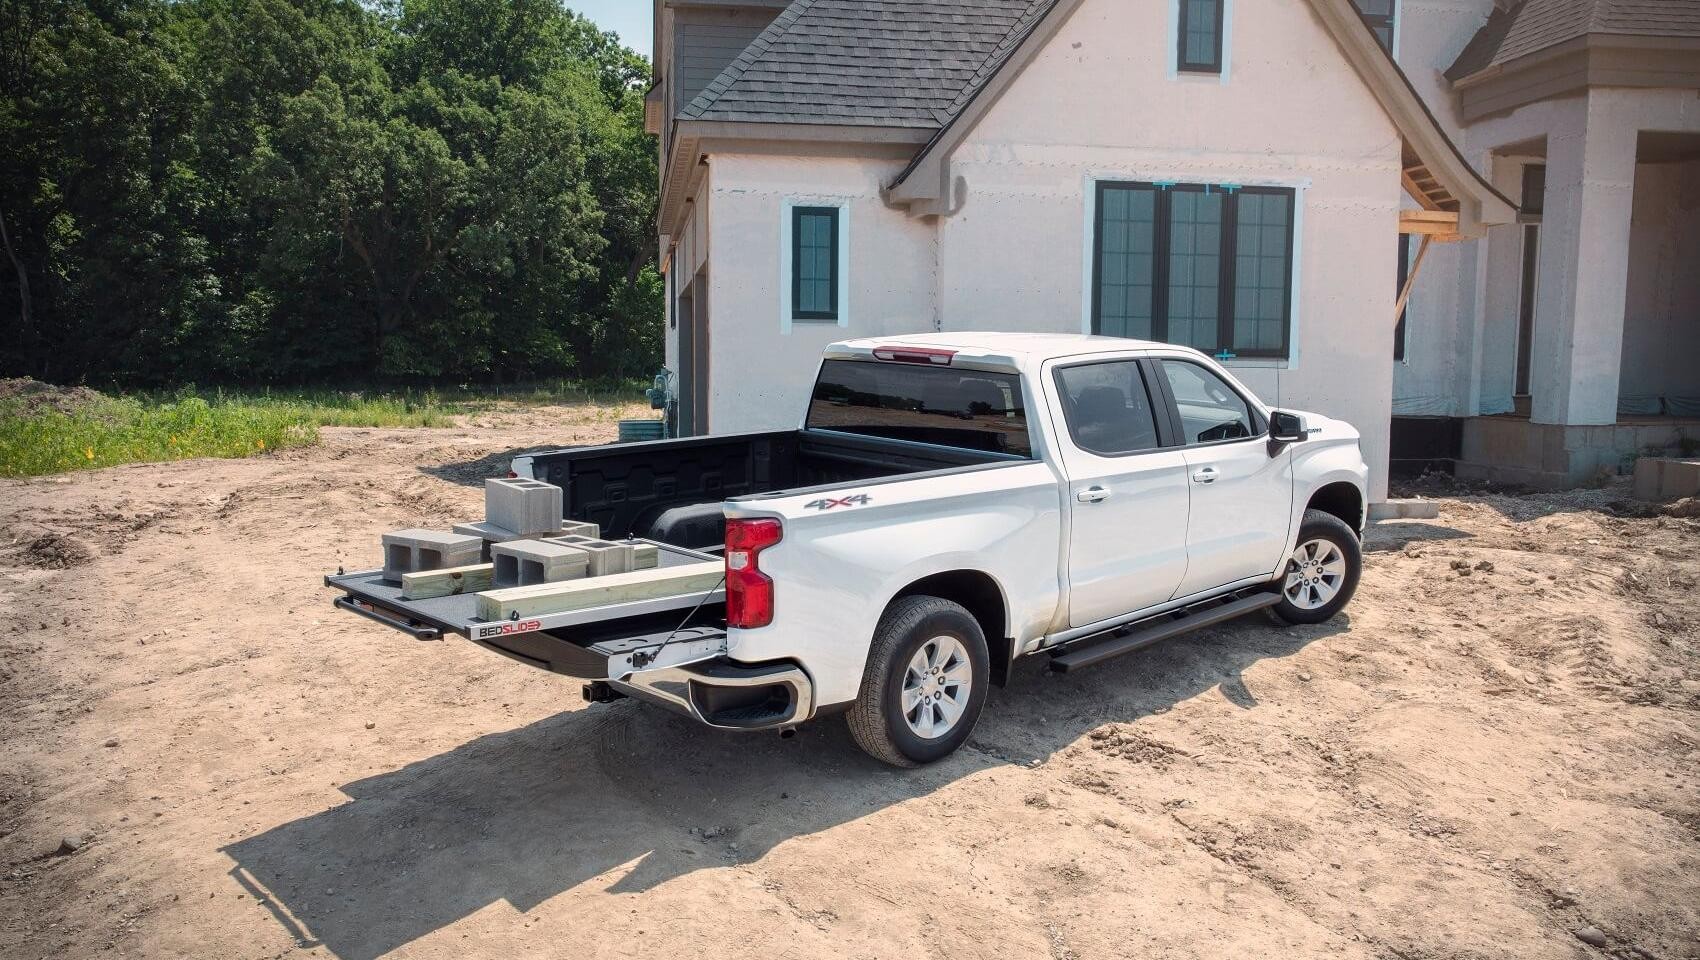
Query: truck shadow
{"x":624,"y":797}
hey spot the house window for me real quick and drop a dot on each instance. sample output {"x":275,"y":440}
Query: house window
{"x":814,"y":263}
{"x":1205,"y":266}
{"x":1200,"y":36}
{"x":1378,"y":15}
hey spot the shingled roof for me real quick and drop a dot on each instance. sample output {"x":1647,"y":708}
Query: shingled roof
{"x":886,"y":63}
{"x":1530,"y":26}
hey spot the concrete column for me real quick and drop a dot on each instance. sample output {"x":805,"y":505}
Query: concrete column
{"x":1584,"y":266}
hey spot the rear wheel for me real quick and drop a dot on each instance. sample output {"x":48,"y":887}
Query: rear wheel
{"x":924,"y":684}
{"x":1322,"y":571}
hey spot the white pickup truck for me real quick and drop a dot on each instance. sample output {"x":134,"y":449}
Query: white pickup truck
{"x":951,"y":502}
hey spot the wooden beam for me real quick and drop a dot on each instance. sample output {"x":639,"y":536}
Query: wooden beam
{"x":446,"y":582}
{"x":1410,"y":278}
{"x":1435,"y":223}
{"x":1417,"y":192}
{"x":598,"y":591}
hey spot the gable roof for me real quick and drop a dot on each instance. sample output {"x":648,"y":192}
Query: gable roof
{"x":1522,"y":27}
{"x":886,"y":63}
{"x":936,"y":66}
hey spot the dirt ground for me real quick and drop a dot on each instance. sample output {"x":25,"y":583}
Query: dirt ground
{"x":1494,"y":753}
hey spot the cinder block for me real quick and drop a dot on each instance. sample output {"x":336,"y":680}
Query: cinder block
{"x":1661,"y":478}
{"x":527,"y":507}
{"x":523,"y":563}
{"x":575,"y":528}
{"x":605,"y":557}
{"x":413,"y":551}
{"x":489,"y":533}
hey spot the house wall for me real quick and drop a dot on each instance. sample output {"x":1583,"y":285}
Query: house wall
{"x":1436,"y":377}
{"x":1583,"y":287}
{"x":704,"y":42}
{"x":1661,"y":330}
{"x":1015,"y":257}
{"x":763,"y":367}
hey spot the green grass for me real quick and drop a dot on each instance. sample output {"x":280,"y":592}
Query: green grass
{"x":156,"y":427}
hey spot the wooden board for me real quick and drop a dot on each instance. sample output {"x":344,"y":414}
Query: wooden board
{"x":446,"y":582}
{"x":600,"y":591}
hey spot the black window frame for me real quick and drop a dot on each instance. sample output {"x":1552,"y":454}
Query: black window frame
{"x":797,"y":215}
{"x":1162,"y":418}
{"x":1161,"y":227}
{"x":1214,"y":65}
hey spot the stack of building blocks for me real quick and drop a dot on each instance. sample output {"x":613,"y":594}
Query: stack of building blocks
{"x":522,"y":510}
{"x":524,"y":563}
{"x":596,"y":591}
{"x":413,"y":551}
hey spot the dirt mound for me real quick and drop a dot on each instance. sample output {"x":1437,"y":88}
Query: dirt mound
{"x":35,"y":396}
{"x":56,"y":552}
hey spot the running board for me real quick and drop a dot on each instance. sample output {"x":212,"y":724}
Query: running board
{"x":1162,"y":627}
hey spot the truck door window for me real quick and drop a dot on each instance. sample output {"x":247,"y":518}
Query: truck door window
{"x":1211,"y":411}
{"x":972,"y":409}
{"x":1107,"y":407}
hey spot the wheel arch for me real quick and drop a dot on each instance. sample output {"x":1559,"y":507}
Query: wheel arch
{"x":1343,"y":499}
{"x":981,"y":595}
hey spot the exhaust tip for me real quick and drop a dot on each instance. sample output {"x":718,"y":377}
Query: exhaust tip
{"x":787,"y":733}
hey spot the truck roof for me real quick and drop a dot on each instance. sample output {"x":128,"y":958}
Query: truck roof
{"x":1017,"y":349}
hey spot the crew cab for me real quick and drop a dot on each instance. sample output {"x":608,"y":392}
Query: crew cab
{"x":951,"y":502}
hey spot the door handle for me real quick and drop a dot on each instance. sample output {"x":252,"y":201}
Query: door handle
{"x":1092,"y":494}
{"x":1204,"y":475}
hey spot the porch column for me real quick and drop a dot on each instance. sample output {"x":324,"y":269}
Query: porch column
{"x":1584,"y":269}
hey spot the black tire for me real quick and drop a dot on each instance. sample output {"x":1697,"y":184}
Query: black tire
{"x":876,"y":719}
{"x":1318,"y":525}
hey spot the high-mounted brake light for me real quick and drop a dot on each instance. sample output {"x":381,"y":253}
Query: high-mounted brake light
{"x":934,"y":355}
{"x":749,"y":592}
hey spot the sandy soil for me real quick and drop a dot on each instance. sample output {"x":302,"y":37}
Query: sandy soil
{"x":1494,"y":750}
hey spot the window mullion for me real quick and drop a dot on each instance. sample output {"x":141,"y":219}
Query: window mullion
{"x":1226,"y":278}
{"x":1160,"y":265}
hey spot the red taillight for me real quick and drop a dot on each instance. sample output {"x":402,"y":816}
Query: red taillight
{"x":749,"y":592}
{"x":899,"y":354}
{"x":512,"y":475}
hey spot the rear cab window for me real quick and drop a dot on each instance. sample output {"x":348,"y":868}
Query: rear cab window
{"x":946,"y":406}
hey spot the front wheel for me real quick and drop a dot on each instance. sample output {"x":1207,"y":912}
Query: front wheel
{"x":1322,"y":571}
{"x":924,"y":684}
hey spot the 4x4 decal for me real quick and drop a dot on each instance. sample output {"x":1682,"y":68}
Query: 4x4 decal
{"x":827,"y":503}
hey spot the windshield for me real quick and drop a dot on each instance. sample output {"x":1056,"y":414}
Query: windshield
{"x":927,"y":404}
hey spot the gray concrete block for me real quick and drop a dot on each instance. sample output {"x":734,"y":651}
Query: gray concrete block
{"x":414,"y":551}
{"x":605,"y":557}
{"x":526,"y":507}
{"x":523,"y":563}
{"x":577,"y":529}
{"x":1404,"y":510}
{"x":1662,"y":478}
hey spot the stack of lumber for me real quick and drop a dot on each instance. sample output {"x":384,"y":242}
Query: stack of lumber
{"x":600,"y":591}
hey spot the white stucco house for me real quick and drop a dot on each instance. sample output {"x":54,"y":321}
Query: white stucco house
{"x":1250,"y":177}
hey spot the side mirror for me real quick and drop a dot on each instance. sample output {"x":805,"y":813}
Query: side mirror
{"x":1286,"y":427}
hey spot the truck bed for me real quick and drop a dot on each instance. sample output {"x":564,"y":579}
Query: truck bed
{"x":626,"y":488}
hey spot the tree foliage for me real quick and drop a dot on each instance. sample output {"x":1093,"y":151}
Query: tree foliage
{"x":313,"y":190}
